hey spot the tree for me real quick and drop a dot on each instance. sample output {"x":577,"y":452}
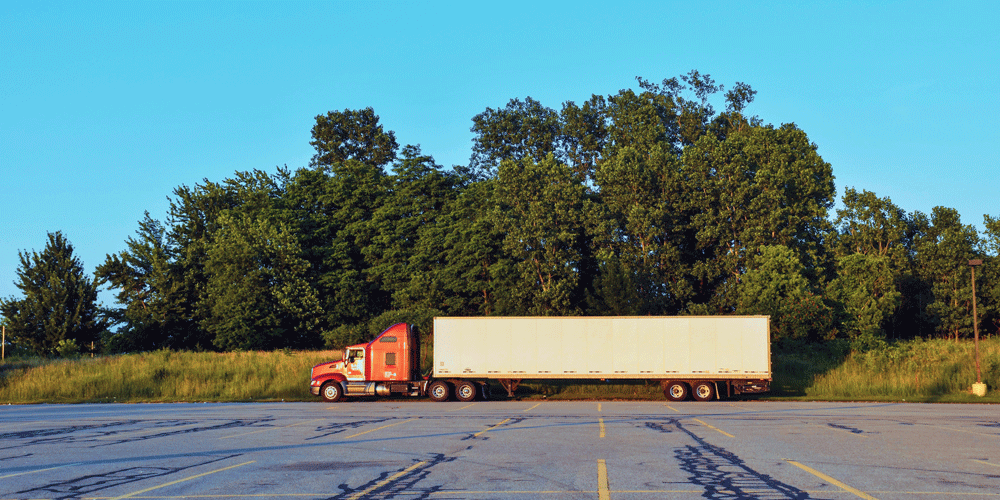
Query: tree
{"x":646,"y":237}
{"x":988,"y":276}
{"x":60,"y":301}
{"x":257,"y":296}
{"x":154,"y":313}
{"x":333,"y":209}
{"x":584,"y":135}
{"x":404,"y":247}
{"x":943,"y":250}
{"x":762,"y":187}
{"x":459,"y":255}
{"x":865,"y":288}
{"x":870,"y":225}
{"x":543,"y":213}
{"x":776,"y":286}
{"x":520,"y":130}
{"x":352,"y":135}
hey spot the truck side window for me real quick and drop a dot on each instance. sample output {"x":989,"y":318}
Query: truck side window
{"x":390,"y":359}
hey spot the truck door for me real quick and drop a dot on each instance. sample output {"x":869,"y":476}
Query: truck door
{"x":355,"y":366}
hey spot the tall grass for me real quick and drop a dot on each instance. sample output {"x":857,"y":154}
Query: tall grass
{"x":917,"y":370}
{"x":163,"y":376}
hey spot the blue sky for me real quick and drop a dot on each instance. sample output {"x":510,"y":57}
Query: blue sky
{"x":107,"y":107}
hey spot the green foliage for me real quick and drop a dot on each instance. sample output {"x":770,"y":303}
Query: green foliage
{"x":870,"y":225}
{"x":67,"y":348}
{"x":352,"y":135}
{"x":759,"y":188}
{"x":944,"y":248}
{"x":584,"y":135}
{"x":520,"y":130}
{"x":345,"y":335}
{"x":59,"y":303}
{"x":153,"y":289}
{"x":647,"y":232}
{"x":645,"y":201}
{"x":257,"y":296}
{"x":866,"y":291}
{"x":405,"y":243}
{"x":988,"y":278}
{"x":776,"y":286}
{"x":543,"y":212}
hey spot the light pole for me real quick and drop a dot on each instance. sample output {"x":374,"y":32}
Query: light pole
{"x":979,"y":388}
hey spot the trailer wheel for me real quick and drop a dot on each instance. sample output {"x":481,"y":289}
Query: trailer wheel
{"x":703,"y":391}
{"x":465,"y":391}
{"x":332,"y":391}
{"x":676,"y":390}
{"x":439,"y":391}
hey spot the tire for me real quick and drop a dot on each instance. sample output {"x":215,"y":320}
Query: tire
{"x":465,"y":391}
{"x":332,"y":391}
{"x":703,"y":391}
{"x":439,"y":391}
{"x":676,"y":390}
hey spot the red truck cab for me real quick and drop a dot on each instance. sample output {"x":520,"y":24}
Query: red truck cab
{"x":388,"y":364}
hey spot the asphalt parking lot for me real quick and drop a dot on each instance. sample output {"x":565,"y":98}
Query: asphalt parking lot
{"x":503,"y":449}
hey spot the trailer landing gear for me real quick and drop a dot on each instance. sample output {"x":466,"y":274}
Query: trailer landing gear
{"x":510,"y":385}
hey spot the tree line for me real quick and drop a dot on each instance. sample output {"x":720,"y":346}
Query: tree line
{"x":643,"y":202}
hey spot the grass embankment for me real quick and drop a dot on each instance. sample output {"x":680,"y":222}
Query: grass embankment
{"x":933,"y":371}
{"x":929,"y":371}
{"x":162,"y":376}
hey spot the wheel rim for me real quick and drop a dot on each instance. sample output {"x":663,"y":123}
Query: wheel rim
{"x":466,"y":391}
{"x":437,"y":391}
{"x":704,"y":391}
{"x":677,"y":391}
{"x":331,"y":391}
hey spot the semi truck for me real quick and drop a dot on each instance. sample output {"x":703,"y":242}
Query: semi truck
{"x":697,"y":357}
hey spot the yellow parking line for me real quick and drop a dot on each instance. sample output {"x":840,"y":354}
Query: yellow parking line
{"x":963,"y":430}
{"x":270,"y":429}
{"x":974,"y":460}
{"x":386,"y":481}
{"x":491,"y":428}
{"x":379,"y":428}
{"x":464,"y":407}
{"x":196,"y":476}
{"x":598,"y":407}
{"x":672,"y":408}
{"x":714,"y":428}
{"x":600,"y":421}
{"x":533,"y":407}
{"x":34,"y":471}
{"x":832,"y":481}
{"x":603,"y":487}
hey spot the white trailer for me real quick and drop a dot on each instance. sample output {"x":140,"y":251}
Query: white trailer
{"x":701,"y":356}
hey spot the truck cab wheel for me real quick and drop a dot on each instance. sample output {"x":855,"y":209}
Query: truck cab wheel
{"x":465,"y":391}
{"x":676,"y":390}
{"x":439,"y":391}
{"x":703,"y":391}
{"x":332,"y":392}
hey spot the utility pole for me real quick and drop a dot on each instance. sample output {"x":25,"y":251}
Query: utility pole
{"x":979,"y":388}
